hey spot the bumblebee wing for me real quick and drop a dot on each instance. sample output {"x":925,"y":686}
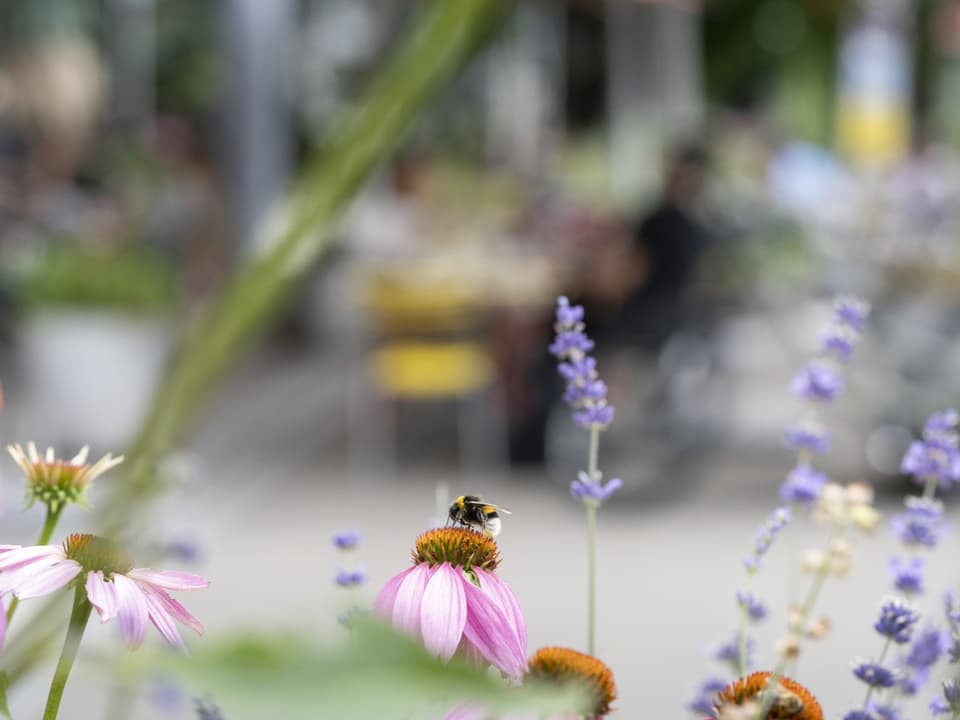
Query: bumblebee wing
{"x":485,"y":505}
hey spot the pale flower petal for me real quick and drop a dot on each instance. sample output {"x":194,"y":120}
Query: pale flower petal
{"x":133,"y":610}
{"x":173,"y":608}
{"x":48,"y":579}
{"x":443,"y":613}
{"x":406,"y":608}
{"x":3,"y":623}
{"x":162,"y":621}
{"x":387,"y":597}
{"x":169,"y":580}
{"x":103,"y":596}
{"x":24,"y":555}
{"x":508,"y":602}
{"x":489,"y":629}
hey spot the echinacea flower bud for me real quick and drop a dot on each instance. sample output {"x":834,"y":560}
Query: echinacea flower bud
{"x":565,"y":666}
{"x":56,"y":482}
{"x":791,"y":699}
{"x":451,"y":599}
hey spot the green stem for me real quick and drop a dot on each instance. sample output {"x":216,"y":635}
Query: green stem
{"x":743,"y":641}
{"x":46,"y":532}
{"x":808,"y":603}
{"x":930,"y":487}
{"x":78,"y":622}
{"x":591,"y":574}
{"x":883,"y":654}
{"x":591,"y":506}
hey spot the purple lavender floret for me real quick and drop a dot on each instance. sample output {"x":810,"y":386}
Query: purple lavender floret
{"x":907,"y":574}
{"x":817,"y":381}
{"x":585,"y":487}
{"x":922,"y":523}
{"x":600,"y":416}
{"x":885,"y":711}
{"x":729,"y":652}
{"x":839,"y":342}
{"x":896,"y":621}
{"x":756,"y":610}
{"x":938,"y":706}
{"x":951,"y":693}
{"x":924,"y":459}
{"x":347,"y":540}
{"x":702,"y":703}
{"x":350,"y":578}
{"x":874,"y":675}
{"x":803,"y":485}
{"x":859,"y":715}
{"x":851,"y":312}
{"x":810,"y":436}
{"x":927,"y":648}
{"x":569,"y":341}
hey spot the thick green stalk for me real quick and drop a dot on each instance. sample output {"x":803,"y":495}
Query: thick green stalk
{"x":443,"y":39}
{"x":78,"y":623}
{"x":440,"y":43}
{"x":46,"y":532}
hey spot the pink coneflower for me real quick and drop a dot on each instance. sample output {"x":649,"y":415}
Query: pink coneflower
{"x":55,"y":481}
{"x":113,"y":586}
{"x":453,"y":601}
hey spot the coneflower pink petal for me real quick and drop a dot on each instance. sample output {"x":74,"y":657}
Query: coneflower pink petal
{"x":162,"y":621}
{"x":508,"y":602}
{"x":48,"y":579}
{"x":133,"y":610}
{"x":387,"y":597}
{"x":443,"y":612}
{"x":468,"y":652}
{"x":491,"y":631}
{"x":10,"y":580}
{"x":168,"y":579}
{"x":173,"y":608}
{"x":406,"y":608}
{"x":102,"y":595}
{"x":24,"y":555}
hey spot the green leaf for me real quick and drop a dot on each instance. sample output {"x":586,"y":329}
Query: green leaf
{"x":377,"y":674}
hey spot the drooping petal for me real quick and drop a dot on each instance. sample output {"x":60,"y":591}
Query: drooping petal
{"x":162,"y":621}
{"x":387,"y":597}
{"x":173,"y":608}
{"x":443,"y":612}
{"x":406,"y":608}
{"x":508,"y":602}
{"x":133,"y":610}
{"x":3,"y":623}
{"x":13,"y":559}
{"x":48,"y":579}
{"x":102,"y":595}
{"x":168,"y":579}
{"x":11,"y":580}
{"x":491,"y":631}
{"x":467,"y":711}
{"x":469,"y":653}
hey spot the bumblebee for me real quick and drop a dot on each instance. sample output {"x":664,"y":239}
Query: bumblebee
{"x":474,"y":512}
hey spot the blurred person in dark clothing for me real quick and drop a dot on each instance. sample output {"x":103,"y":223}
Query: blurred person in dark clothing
{"x":670,"y":241}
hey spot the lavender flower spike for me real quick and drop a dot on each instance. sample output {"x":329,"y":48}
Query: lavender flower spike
{"x":594,"y":489}
{"x":851,"y":312}
{"x":586,"y":393}
{"x":347,"y":540}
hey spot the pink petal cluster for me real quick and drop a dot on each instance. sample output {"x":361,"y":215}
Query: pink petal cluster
{"x":471,"y":711}
{"x":133,"y":597}
{"x":441,"y":605}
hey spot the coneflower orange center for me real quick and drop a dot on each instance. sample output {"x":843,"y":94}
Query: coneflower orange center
{"x":96,"y":553}
{"x":791,"y":702}
{"x":563,"y":665}
{"x":460,"y":547}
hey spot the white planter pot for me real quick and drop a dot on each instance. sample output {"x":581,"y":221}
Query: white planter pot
{"x":89,"y":375}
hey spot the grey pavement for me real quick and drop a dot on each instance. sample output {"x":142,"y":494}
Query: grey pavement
{"x":265,"y":482}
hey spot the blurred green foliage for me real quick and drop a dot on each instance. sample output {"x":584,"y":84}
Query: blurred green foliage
{"x":377,"y":673}
{"x":132,"y":278}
